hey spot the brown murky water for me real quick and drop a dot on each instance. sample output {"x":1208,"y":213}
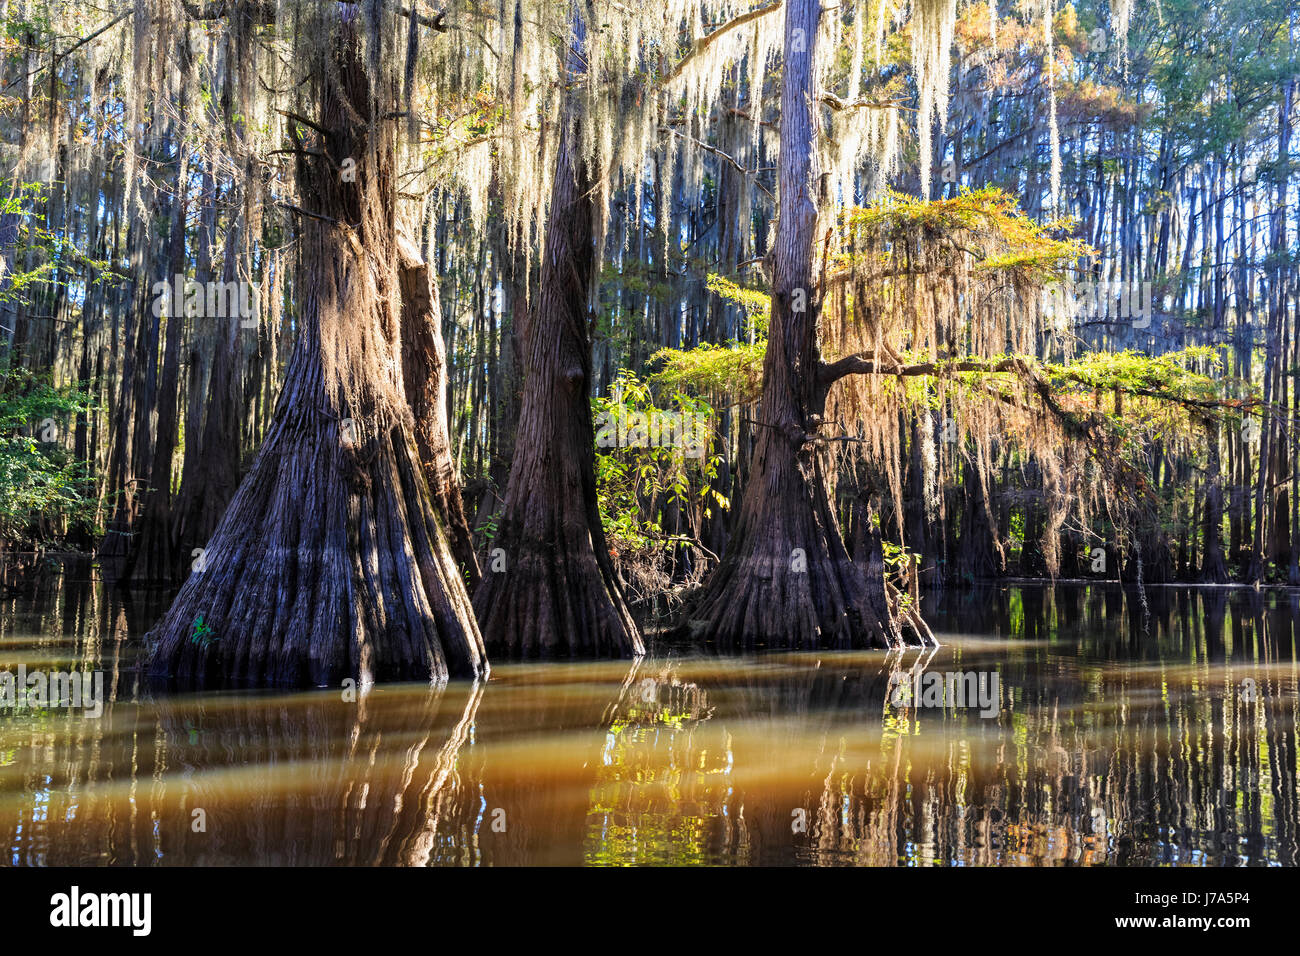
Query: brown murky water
{"x":1116,"y":737}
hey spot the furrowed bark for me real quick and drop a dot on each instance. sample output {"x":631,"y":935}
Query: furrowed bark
{"x":333,"y":560}
{"x":550,"y":588}
{"x":787,"y":580}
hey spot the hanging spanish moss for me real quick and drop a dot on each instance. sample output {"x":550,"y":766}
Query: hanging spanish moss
{"x":186,"y":142}
{"x":1054,"y":132}
{"x":931,"y":26}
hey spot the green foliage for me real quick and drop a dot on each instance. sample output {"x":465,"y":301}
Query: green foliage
{"x":1180,"y":377}
{"x":202,"y":634}
{"x":734,"y":370}
{"x":985,"y":221}
{"x":757,"y":304}
{"x":33,"y":239}
{"x":38,"y":477}
{"x":898,"y":561}
{"x":635,"y":484}
{"x":1010,"y":240}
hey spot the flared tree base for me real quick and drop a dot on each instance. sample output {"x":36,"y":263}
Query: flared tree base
{"x":330,"y":564}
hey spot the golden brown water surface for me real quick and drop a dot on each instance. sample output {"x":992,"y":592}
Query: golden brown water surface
{"x":1117,"y":738}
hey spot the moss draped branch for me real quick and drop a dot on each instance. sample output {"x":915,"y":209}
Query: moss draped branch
{"x":861,"y":364}
{"x":703,"y":43}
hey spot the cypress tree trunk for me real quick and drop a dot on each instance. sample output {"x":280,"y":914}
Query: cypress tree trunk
{"x":155,"y":560}
{"x":1214,"y":569}
{"x":424,"y":371}
{"x":787,"y":579}
{"x":552,"y":590}
{"x":332,"y":560}
{"x":188,"y":531}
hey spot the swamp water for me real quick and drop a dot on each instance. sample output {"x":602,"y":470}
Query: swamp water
{"x":1116,"y":736}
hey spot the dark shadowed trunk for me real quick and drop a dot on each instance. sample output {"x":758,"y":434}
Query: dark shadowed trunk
{"x":1214,"y":570}
{"x":333,"y":560}
{"x":155,"y":560}
{"x":550,"y":588}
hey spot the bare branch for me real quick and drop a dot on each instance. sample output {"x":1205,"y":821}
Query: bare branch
{"x":720,"y":154}
{"x":298,"y":118}
{"x":839,"y":105}
{"x":304,"y":212}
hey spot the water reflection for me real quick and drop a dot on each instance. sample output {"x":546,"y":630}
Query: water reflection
{"x":1122,"y":733}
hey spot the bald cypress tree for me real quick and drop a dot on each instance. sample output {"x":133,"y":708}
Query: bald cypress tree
{"x":334,"y":559}
{"x":554,"y":591}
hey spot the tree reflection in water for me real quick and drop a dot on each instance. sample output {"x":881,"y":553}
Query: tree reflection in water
{"x":1122,"y":737}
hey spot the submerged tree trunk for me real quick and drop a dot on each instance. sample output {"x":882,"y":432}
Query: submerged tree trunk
{"x":550,"y":588}
{"x":333,"y":561}
{"x":786,"y":579}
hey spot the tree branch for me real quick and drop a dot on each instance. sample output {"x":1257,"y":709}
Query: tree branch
{"x":839,"y":105}
{"x":304,"y":212}
{"x":298,"y":118}
{"x":860,"y":364}
{"x":704,"y":42}
{"x":721,"y":155}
